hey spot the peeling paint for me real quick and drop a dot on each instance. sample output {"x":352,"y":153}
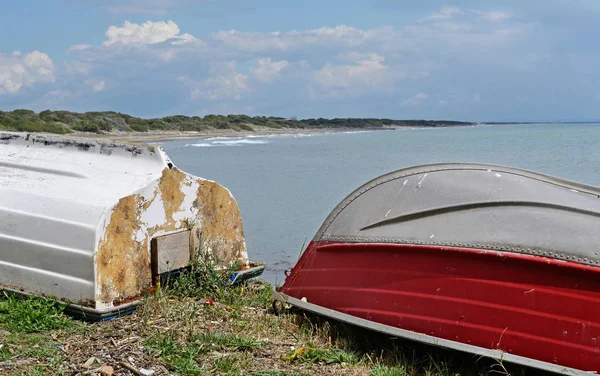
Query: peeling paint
{"x":123,"y":263}
{"x":222,"y":230}
{"x":170,"y":192}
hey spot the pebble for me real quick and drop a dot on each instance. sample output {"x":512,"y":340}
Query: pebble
{"x":106,"y":371}
{"x":89,"y":363}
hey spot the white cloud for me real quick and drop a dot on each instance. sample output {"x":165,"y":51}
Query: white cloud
{"x":96,"y":85}
{"x":278,"y":41}
{"x":495,"y":16}
{"x":183,"y":39}
{"x":155,"y":7}
{"x":78,"y":67}
{"x":366,"y":69}
{"x":226,"y":83}
{"x":414,"y":100}
{"x":18,"y":71}
{"x":469,"y":38}
{"x":267,"y":70}
{"x":79,"y":47}
{"x":222,"y":87}
{"x":147,"y":33}
{"x":54,"y":98}
{"x":444,"y":13}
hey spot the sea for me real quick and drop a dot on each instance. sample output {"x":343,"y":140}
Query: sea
{"x":286,"y":185}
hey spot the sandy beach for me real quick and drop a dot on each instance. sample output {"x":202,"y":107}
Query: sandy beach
{"x":155,"y":136}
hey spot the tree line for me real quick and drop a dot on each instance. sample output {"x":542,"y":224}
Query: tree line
{"x":106,"y":121}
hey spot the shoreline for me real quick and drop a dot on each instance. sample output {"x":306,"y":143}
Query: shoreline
{"x":157,"y":136}
{"x":154,"y":136}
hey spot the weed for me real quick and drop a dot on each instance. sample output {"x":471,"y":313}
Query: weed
{"x":180,"y":356}
{"x":204,"y":277}
{"x":32,"y":371}
{"x":187,"y":222}
{"x":381,"y":370}
{"x":229,"y":341}
{"x":185,"y":363}
{"x":162,"y":346}
{"x":28,"y":346}
{"x":32,"y":314}
{"x":226,"y":364}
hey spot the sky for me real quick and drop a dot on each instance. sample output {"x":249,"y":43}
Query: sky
{"x":511,"y":60}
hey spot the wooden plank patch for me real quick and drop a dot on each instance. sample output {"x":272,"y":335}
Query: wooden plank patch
{"x":170,"y":252}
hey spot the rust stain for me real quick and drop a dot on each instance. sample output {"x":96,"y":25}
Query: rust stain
{"x":123,"y":263}
{"x":170,"y":192}
{"x":221,"y":227}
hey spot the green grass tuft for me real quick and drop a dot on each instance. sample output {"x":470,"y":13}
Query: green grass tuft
{"x":181,"y":357}
{"x":228,"y":341}
{"x":381,"y":370}
{"x":226,"y":364}
{"x":204,"y":277}
{"x":33,"y":314}
{"x":28,"y":346}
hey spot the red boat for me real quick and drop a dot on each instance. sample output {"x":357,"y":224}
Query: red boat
{"x":491,"y":260}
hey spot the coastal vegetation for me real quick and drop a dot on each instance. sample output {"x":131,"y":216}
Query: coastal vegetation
{"x":108,"y":121}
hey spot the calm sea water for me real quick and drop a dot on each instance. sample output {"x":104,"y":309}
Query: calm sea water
{"x":287,"y":185}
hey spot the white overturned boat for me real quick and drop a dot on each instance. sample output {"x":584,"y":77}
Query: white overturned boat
{"x":96,"y":223}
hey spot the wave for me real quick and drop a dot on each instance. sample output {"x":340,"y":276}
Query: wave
{"x":258,"y":139}
{"x":222,"y":138}
{"x":239,"y":142}
{"x":227,"y":141}
{"x":201,"y":145}
{"x":286,"y":135}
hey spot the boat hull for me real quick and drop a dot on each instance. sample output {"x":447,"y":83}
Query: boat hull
{"x":530,"y":307}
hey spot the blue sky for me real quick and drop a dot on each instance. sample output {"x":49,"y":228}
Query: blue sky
{"x":466,"y":60}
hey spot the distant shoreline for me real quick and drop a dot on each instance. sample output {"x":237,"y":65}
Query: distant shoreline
{"x":158,"y":136}
{"x":110,"y":125}
{"x":118,"y":127}
{"x":154,"y":136}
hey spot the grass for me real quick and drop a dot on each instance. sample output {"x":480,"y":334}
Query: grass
{"x":311,"y":354}
{"x":32,"y":314}
{"x":197,"y":324}
{"x":381,"y":370}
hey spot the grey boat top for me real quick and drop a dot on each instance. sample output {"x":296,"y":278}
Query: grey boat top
{"x":476,"y":206}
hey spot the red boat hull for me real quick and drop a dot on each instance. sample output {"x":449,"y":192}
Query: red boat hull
{"x":535,"y":307}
